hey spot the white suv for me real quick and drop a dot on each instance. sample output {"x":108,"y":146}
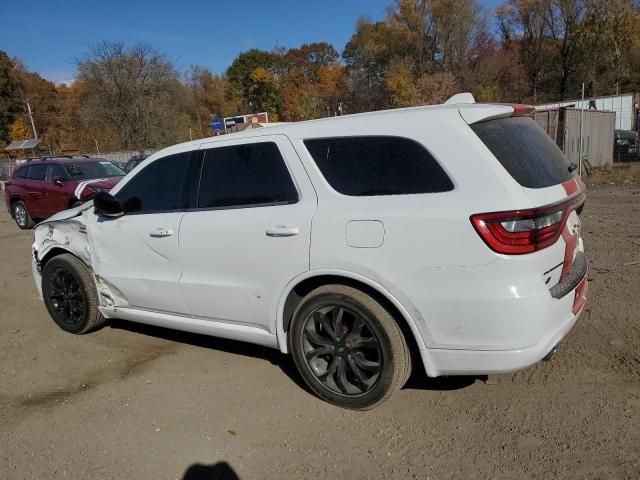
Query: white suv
{"x":443,"y":236}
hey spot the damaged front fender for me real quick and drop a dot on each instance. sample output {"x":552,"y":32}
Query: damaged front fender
{"x":67,"y":232}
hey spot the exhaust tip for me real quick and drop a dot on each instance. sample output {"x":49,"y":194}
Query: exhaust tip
{"x":548,"y":356}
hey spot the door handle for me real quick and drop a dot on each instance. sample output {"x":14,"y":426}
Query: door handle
{"x":161,"y":232}
{"x":282,"y":231}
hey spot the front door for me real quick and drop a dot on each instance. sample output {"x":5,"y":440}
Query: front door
{"x":250,"y":233}
{"x":137,"y":255}
{"x":56,"y":200}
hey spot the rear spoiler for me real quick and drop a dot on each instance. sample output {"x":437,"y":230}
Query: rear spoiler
{"x":472,"y":112}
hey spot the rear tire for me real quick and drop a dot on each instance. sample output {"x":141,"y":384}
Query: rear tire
{"x":70,"y":295}
{"x":21,"y":215}
{"x":348,"y":349}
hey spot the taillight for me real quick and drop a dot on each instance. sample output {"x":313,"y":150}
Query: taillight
{"x":524,"y":231}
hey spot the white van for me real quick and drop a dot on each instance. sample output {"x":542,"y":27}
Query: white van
{"x":444,"y":237}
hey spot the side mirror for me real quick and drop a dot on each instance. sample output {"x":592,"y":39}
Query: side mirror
{"x":57,"y":181}
{"x":106,"y":205}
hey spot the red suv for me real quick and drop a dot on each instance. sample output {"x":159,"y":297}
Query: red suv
{"x":42,"y":187}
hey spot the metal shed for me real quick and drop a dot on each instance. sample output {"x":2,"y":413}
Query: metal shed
{"x":598,"y":133}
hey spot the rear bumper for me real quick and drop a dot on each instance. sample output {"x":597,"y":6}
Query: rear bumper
{"x":440,"y":362}
{"x":474,"y":322}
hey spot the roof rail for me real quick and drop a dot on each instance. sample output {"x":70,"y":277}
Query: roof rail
{"x":48,"y":157}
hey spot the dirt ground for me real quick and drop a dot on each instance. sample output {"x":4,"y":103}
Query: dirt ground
{"x":134,"y":402}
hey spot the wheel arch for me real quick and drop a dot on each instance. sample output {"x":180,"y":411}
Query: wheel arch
{"x":303,"y":284}
{"x":13,"y":199}
{"x":55,"y":252}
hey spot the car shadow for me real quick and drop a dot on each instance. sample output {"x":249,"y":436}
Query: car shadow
{"x":273,"y":356}
{"x":218,"y":471}
{"x":417,"y":381}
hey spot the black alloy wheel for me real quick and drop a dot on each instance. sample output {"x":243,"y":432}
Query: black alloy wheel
{"x":348,"y":348}
{"x":341,"y":350}
{"x":66,"y":297}
{"x":70,"y":294}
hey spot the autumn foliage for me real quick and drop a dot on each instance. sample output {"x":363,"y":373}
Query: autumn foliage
{"x":422,"y":52}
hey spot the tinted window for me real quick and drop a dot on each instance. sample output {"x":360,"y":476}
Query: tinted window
{"x":161,"y":186}
{"x":364,"y":166}
{"x":54,"y":171}
{"x":245,"y":175}
{"x":84,"y":170}
{"x":524,"y":149}
{"x":23,"y":172}
{"x":37,"y":172}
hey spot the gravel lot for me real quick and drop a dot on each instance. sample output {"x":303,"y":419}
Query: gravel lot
{"x":137,"y":402}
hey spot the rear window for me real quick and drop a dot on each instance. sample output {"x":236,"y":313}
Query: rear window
{"x":84,"y":170}
{"x":524,"y":149}
{"x":367,"y":166}
{"x":626,"y":134}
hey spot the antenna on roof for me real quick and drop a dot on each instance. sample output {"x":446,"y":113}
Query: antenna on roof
{"x":461,"y":98}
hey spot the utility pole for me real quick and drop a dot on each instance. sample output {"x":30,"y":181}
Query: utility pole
{"x":33,"y":125}
{"x":581,"y":130}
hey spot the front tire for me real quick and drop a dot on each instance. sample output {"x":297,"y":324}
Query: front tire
{"x":21,"y":216}
{"x":70,"y":295}
{"x":348,"y":349}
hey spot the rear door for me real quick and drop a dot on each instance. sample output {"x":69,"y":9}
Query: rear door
{"x":250,"y":232}
{"x":56,"y":200}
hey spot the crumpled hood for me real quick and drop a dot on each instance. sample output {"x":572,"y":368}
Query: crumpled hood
{"x":67,"y":214}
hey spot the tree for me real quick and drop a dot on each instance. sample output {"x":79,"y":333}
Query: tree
{"x":612,"y":35}
{"x":495,"y":73}
{"x":400,"y":84}
{"x":367,"y":57}
{"x":565,"y":20}
{"x":210,"y":94}
{"x":240,"y":71}
{"x":264,"y":92}
{"x":20,"y":129}
{"x":8,"y":96}
{"x":127,"y":87}
{"x":525,"y":21}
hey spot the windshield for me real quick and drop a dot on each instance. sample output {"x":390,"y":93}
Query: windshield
{"x":81,"y":171}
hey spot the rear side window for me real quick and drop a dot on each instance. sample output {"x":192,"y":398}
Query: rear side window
{"x":162,"y":186}
{"x":245,"y":175}
{"x":366,"y":166}
{"x":37,"y":172}
{"x":524,"y":149}
{"x":23,"y":172}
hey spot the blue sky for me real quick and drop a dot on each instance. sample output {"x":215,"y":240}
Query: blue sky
{"x":48,"y":36}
